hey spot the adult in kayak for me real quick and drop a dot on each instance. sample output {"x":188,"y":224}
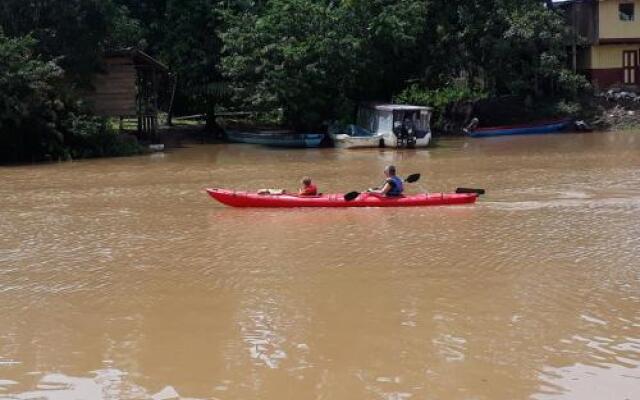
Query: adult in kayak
{"x":393,"y":186}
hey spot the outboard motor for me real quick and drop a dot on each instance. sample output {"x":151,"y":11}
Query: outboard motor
{"x":405,"y":133}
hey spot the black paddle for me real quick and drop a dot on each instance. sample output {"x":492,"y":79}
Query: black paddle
{"x":468,"y":190}
{"x":354,"y":195}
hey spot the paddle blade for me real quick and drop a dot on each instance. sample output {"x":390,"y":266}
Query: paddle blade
{"x":468,"y":190}
{"x":412,"y":178}
{"x":351,"y":196}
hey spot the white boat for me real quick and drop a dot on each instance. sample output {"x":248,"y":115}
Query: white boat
{"x":387,"y":125}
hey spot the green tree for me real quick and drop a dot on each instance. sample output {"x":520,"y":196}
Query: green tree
{"x":191,"y":47}
{"x":40,"y":118}
{"x":183,"y":35}
{"x":29,"y":105}
{"x":74,"y":31}
{"x":316,"y":58}
{"x":507,"y":46}
{"x":124,"y":30}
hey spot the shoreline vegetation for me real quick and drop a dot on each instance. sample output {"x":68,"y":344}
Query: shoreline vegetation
{"x":311,"y":61}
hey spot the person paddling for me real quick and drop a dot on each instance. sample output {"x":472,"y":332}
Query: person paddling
{"x":393,"y":185}
{"x":307,"y":188}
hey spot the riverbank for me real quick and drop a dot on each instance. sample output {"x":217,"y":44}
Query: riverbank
{"x":616,"y":114}
{"x":607,"y":113}
{"x":602,"y":113}
{"x":612,"y":111}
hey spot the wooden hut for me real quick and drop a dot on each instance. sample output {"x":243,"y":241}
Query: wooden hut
{"x":129,"y":87}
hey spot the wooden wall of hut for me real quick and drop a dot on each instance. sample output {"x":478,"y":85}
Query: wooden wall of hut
{"x":129,"y":87}
{"x":115,"y":90}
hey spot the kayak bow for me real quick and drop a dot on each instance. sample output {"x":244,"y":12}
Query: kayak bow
{"x":245,"y":199}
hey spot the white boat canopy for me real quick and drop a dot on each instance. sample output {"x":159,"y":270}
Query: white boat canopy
{"x":382,"y":118}
{"x":397,"y":107}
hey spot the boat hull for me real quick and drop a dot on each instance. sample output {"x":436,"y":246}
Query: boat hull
{"x":532,"y":129}
{"x":246,"y":199}
{"x":378,"y":140}
{"x":355,"y":142}
{"x":290,"y":140}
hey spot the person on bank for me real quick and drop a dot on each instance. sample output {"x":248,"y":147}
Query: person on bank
{"x":393,"y":186}
{"x":307,"y":187}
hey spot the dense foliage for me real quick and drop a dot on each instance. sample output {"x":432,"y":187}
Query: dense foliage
{"x":38,"y":120}
{"x":183,"y":35}
{"x":313,"y":59}
{"x":316,"y":58}
{"x":70,"y":37}
{"x":28,"y":104}
{"x":71,"y":30}
{"x":440,"y":99}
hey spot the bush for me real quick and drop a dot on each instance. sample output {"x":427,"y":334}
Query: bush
{"x":573,"y":85}
{"x":89,"y":137}
{"x":439,"y":99}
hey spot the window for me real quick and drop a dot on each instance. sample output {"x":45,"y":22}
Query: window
{"x":627,"y":11}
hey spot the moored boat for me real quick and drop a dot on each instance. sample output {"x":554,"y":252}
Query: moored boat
{"x":277,"y":138}
{"x":540,"y":127}
{"x":246,"y":199}
{"x":387,"y":125}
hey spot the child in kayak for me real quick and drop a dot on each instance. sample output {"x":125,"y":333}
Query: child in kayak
{"x":393,"y":186}
{"x":307,"y":188}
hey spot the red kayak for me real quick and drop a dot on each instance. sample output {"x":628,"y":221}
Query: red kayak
{"x":246,"y":199}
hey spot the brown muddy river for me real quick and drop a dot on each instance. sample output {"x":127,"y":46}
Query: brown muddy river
{"x":121,"y":279}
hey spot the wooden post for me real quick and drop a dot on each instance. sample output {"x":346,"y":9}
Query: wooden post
{"x":173,"y":94}
{"x":139,"y":101}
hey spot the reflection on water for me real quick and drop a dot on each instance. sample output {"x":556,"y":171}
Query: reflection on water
{"x":121,"y":279}
{"x":103,"y":384}
{"x":589,"y":382}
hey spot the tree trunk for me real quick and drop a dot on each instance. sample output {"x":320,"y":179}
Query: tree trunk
{"x":211,"y":127}
{"x":210,"y":114}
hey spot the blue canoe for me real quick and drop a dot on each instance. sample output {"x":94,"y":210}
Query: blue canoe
{"x":277,"y":138}
{"x":526,"y":129}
